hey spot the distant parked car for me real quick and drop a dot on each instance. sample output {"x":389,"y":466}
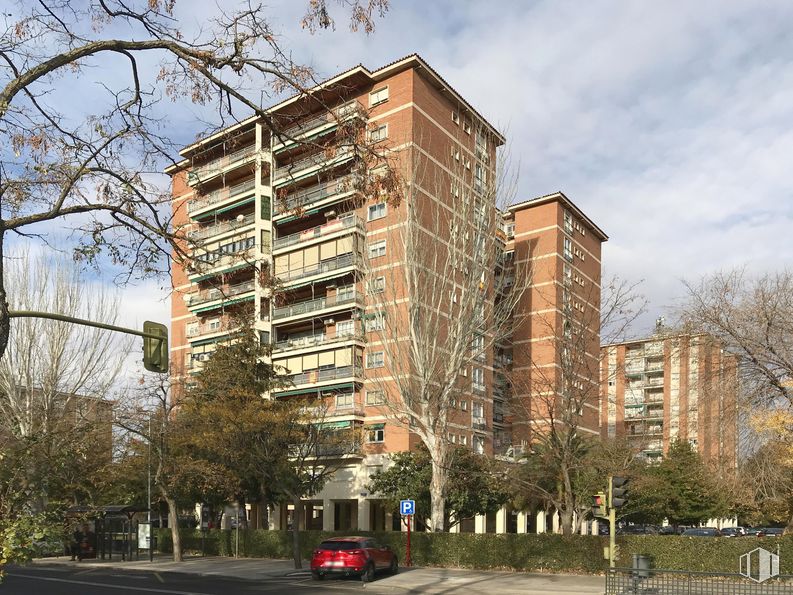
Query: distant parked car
{"x":733,"y":532}
{"x":772,"y":531}
{"x":637,"y":530}
{"x":670,"y":530}
{"x":702,"y":532}
{"x":347,"y":556}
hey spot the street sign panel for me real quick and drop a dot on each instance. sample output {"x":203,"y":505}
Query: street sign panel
{"x":407,"y":507}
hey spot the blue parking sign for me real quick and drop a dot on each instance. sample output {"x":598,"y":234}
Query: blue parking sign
{"x":407,"y":507}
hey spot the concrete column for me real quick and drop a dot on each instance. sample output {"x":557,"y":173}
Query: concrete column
{"x":540,"y":521}
{"x":555,"y":522}
{"x":455,"y":528}
{"x":389,"y":521}
{"x":522,"y":521}
{"x":328,"y":515}
{"x":480,"y":523}
{"x":275,"y":518}
{"x":363,"y":514}
{"x":596,"y":527}
{"x":501,"y":520}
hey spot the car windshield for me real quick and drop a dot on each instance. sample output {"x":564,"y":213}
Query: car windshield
{"x":339,"y":545}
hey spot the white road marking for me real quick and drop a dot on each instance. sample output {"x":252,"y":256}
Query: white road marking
{"x":107,"y":585}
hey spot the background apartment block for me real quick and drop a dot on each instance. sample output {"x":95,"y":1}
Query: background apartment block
{"x":672,"y":386}
{"x":256,"y":207}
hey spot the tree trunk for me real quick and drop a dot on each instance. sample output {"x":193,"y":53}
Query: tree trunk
{"x":438,"y":504}
{"x":5,"y":320}
{"x":296,"y":517}
{"x":173,"y":523}
{"x":566,"y":520}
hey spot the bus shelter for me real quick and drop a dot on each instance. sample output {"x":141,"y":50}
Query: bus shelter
{"x":115,"y":529}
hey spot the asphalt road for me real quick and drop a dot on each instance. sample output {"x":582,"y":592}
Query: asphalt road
{"x":33,"y":580}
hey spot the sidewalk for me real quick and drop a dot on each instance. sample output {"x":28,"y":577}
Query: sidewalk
{"x":409,"y":580}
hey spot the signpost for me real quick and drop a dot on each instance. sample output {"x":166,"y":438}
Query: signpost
{"x":407,"y":508}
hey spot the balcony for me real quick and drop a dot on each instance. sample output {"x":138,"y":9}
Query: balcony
{"x":325,"y":119}
{"x":222,"y":195}
{"x":302,"y":198}
{"x":330,"y":374}
{"x":196,"y":236}
{"x":317,"y":340}
{"x":203,"y":330}
{"x":479,"y":423}
{"x":202,"y":173}
{"x":213,"y":294}
{"x":352,"y":223}
{"x":314,"y":305}
{"x":206,"y":269}
{"x":326,"y":266}
{"x":318,"y":160}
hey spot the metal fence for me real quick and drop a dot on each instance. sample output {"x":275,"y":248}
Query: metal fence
{"x":626,"y":581}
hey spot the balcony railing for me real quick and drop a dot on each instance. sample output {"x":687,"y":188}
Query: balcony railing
{"x":318,"y":158}
{"x":210,"y":295}
{"x":343,"y":111}
{"x":226,"y":260}
{"x":220,"y":195}
{"x":207,"y":329}
{"x":324,"y":375}
{"x":319,"y":339}
{"x":326,"y":266}
{"x":315,"y":193}
{"x":219,"y":164}
{"x":316,"y":304}
{"x":319,"y":231}
{"x":222,"y":227}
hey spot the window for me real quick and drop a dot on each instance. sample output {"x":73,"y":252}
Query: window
{"x":345,"y":328}
{"x":467,"y":126}
{"x":478,"y":378}
{"x":377,"y":285}
{"x":464,"y":405}
{"x":344,"y":401}
{"x":463,"y":440}
{"x":479,"y":177}
{"x":377,"y":97}
{"x":376,"y":322}
{"x":375,"y":397}
{"x":378,"y":134}
{"x":456,"y":118}
{"x":192,"y":329}
{"x":477,"y":410}
{"x":467,"y":163}
{"x":568,"y":275}
{"x":345,"y":292}
{"x":213,"y":325}
{"x":375,"y":433}
{"x":510,"y":230}
{"x":568,"y":222}
{"x":452,"y":438}
{"x":568,"y":249}
{"x":377,"y":249}
{"x":478,"y":347}
{"x":455,"y":153}
{"x":264,"y":337}
{"x":375,"y":359}
{"x":377,"y":211}
{"x":479,"y":445}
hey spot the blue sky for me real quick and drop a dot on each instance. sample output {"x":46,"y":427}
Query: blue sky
{"x":668,"y":123}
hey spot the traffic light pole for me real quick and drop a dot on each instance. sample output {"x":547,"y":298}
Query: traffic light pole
{"x":612,"y":530}
{"x":159,"y":366}
{"x":82,"y":321}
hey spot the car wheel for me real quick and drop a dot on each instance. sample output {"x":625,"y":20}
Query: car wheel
{"x":317,"y":576}
{"x":394,"y":568}
{"x":367,"y":575}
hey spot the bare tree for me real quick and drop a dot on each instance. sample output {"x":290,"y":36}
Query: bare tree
{"x":561,"y":401}
{"x":446,"y":296}
{"x":55,"y":377}
{"x":96,"y":172}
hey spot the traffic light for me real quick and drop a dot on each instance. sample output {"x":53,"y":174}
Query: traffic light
{"x":619,"y":492}
{"x":599,"y":508}
{"x":155,"y":351}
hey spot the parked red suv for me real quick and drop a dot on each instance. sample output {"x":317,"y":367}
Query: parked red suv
{"x":352,"y":555}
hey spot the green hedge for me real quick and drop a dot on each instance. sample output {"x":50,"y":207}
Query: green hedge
{"x":526,"y":552}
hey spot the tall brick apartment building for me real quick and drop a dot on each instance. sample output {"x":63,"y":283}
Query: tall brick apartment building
{"x":672,"y":386}
{"x":250,"y":202}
